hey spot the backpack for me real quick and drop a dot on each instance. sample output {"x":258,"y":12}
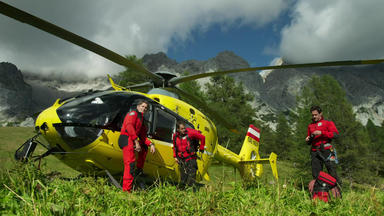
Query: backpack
{"x":323,"y":184}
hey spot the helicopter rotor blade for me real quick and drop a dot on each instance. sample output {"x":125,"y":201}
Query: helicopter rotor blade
{"x":43,"y":25}
{"x":178,"y":80}
{"x":204,"y":106}
{"x":140,"y":85}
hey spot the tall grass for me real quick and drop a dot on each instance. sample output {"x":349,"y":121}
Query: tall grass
{"x":27,"y":191}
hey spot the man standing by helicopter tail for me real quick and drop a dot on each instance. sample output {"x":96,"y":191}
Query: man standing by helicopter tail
{"x":320,"y":135}
{"x":185,"y":145}
{"x":133,"y":137}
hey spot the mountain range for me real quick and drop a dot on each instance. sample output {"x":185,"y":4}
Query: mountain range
{"x":24,"y":94}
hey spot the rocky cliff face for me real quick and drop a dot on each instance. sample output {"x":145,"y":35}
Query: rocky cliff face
{"x":46,"y":90}
{"x":25,"y":95}
{"x":274,"y":92}
{"x":363,"y":85}
{"x":277,"y":91}
{"x":15,"y":94}
{"x":226,"y":60}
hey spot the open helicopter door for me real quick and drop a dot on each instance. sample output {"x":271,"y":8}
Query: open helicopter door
{"x":161,"y":163}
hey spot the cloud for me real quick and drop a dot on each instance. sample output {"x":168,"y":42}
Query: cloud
{"x":331,"y":30}
{"x":127,"y":27}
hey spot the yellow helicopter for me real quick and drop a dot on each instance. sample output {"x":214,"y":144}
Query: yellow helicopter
{"x":83,"y":131}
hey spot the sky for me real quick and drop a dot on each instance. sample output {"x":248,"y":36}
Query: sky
{"x":260,"y":31}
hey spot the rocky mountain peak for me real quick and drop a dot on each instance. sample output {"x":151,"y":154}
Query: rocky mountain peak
{"x":155,"y":61}
{"x":15,"y":94}
{"x":12,"y":78}
{"x":227,"y":60}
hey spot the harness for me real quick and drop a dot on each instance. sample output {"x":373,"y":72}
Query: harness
{"x":331,"y":157}
{"x":322,"y":146}
{"x":189,"y":150}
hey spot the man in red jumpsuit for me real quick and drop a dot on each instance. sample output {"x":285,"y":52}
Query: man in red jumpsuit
{"x":320,"y":135}
{"x":184,"y":152}
{"x":133,"y":137}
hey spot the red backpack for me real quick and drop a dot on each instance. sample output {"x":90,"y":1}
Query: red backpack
{"x":322,"y":185}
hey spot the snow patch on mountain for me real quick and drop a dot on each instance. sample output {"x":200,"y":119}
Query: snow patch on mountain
{"x":274,"y":62}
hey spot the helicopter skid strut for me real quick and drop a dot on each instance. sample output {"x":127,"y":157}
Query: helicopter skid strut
{"x":27,"y":149}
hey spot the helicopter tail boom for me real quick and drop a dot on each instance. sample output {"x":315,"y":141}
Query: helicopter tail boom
{"x":248,"y":161}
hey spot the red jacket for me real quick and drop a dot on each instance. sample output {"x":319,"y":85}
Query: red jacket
{"x":328,"y":132}
{"x":133,"y":127}
{"x":182,"y":146}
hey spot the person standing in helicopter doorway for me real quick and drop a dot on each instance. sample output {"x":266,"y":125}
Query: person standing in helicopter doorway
{"x":320,"y":135}
{"x":133,"y":138}
{"x":185,"y":146}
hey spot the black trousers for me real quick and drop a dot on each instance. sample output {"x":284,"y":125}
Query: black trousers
{"x":187,"y":172}
{"x":319,"y":158}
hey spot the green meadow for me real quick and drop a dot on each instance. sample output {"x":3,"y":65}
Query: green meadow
{"x":55,"y":189}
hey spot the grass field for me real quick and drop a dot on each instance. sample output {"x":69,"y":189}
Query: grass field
{"x":12,"y":138}
{"x":28,"y":191}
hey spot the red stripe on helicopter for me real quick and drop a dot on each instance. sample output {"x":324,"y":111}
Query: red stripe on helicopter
{"x":254,"y":133}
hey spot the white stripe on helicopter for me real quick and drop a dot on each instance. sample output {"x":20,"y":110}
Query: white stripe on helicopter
{"x":254,"y":132}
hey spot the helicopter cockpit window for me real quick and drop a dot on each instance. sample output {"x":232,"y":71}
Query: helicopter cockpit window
{"x":89,"y":112}
{"x":164,"y":125}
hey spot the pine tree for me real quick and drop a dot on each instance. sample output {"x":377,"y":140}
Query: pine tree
{"x":376,"y":150}
{"x":193,"y":88}
{"x":233,"y":103}
{"x":283,"y":138}
{"x":131,"y":77}
{"x":267,"y":140}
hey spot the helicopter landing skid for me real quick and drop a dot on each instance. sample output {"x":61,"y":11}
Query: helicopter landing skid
{"x":27,"y":149}
{"x":113,"y":180}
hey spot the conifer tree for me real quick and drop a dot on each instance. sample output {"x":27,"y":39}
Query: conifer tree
{"x":131,"y":77}
{"x":376,"y":150}
{"x":233,"y":103}
{"x":193,"y":88}
{"x":283,"y":138}
{"x":267,"y":140}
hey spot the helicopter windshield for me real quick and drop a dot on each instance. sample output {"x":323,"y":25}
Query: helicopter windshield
{"x":90,"y":112}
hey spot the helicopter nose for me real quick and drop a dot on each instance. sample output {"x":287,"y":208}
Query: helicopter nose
{"x":41,"y":122}
{"x":45,"y":120}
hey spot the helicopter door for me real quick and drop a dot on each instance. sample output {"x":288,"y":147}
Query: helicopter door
{"x":164,"y":125}
{"x":163,"y":128}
